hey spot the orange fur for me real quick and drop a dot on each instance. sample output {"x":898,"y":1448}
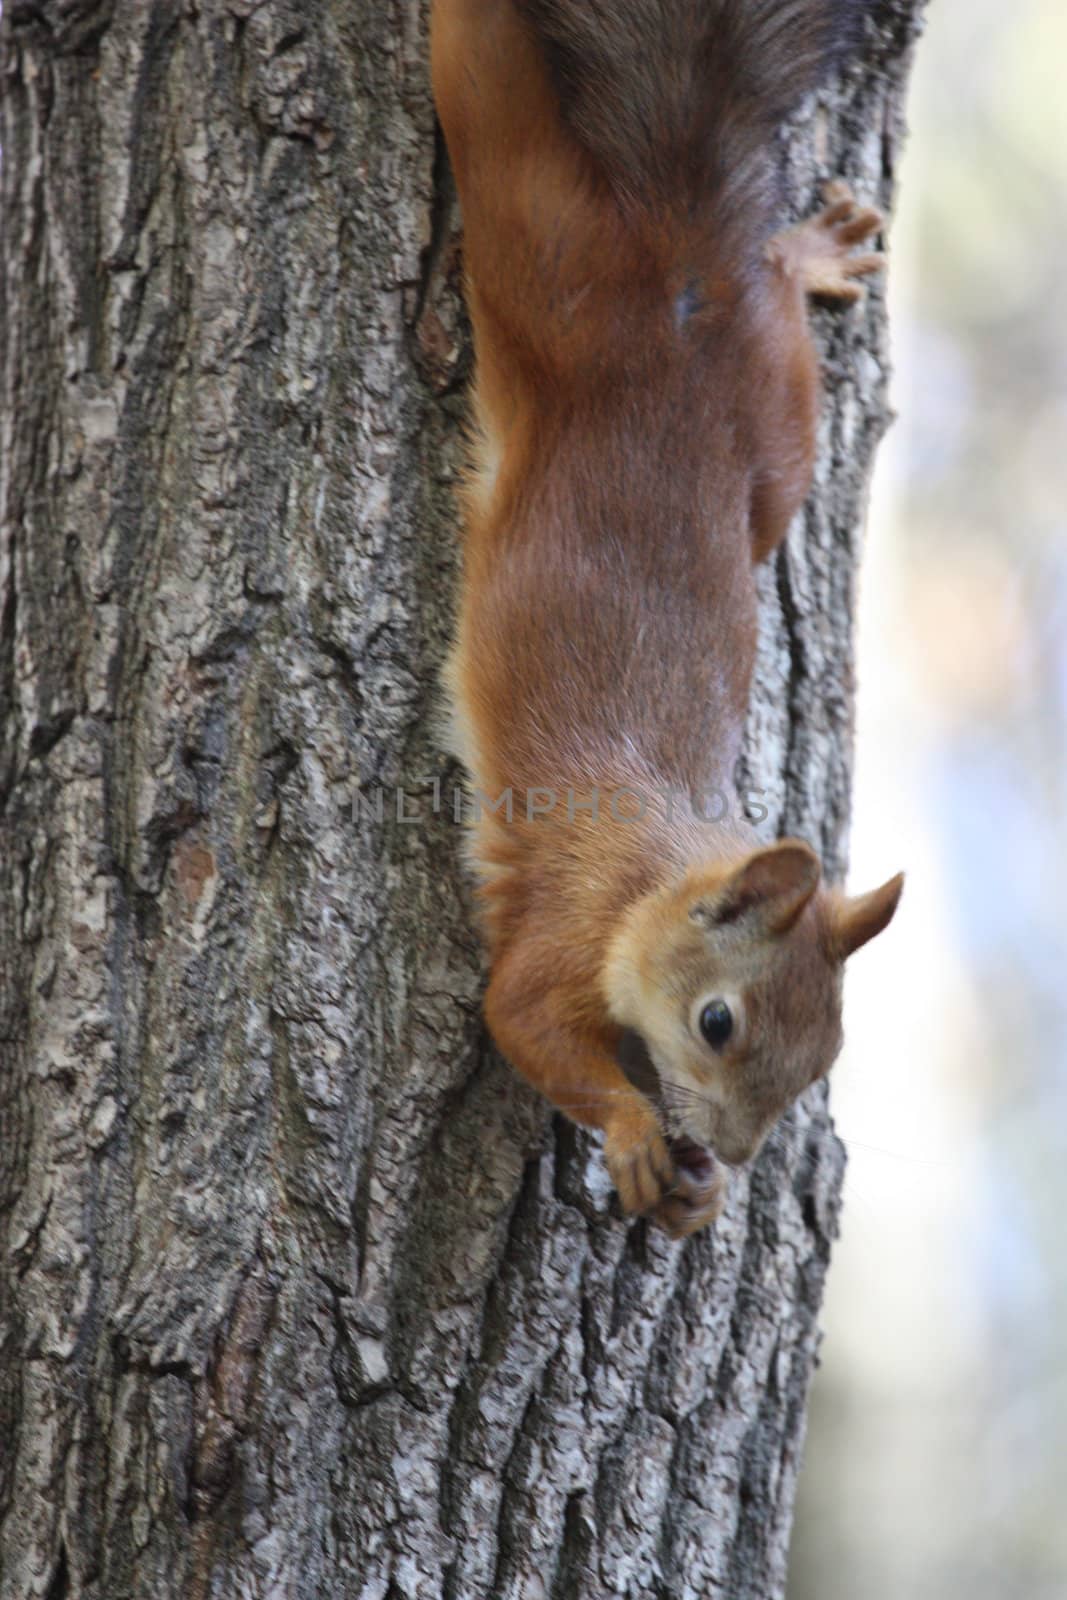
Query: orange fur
{"x":645,"y":409}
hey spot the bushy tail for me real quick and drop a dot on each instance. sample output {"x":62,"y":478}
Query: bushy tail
{"x":678,"y":100}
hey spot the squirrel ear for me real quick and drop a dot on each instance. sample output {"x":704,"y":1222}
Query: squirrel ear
{"x":861,"y":918}
{"x":773,"y":886}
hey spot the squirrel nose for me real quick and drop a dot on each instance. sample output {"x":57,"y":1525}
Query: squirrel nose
{"x":735,"y":1152}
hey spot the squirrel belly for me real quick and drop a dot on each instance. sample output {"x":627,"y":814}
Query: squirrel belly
{"x":645,"y":403}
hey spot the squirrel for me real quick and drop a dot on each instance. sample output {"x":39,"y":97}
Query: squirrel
{"x":644,"y":409}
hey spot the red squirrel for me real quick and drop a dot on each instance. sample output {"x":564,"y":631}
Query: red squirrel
{"x":645,"y":405}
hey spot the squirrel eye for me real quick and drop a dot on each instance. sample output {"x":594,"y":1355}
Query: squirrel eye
{"x":716,"y":1023}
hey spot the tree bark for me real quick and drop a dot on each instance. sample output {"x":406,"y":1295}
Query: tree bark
{"x":303,"y":1293}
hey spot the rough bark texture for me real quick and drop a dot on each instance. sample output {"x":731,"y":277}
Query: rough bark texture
{"x":303,"y":1294}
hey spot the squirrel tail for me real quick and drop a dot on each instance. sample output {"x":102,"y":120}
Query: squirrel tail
{"x":678,"y":100}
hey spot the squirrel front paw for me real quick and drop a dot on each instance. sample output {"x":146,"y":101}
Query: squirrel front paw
{"x":678,"y":1182}
{"x":638,"y":1159}
{"x":693,"y":1203}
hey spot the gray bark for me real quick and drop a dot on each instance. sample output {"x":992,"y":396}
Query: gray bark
{"x":303,"y":1293}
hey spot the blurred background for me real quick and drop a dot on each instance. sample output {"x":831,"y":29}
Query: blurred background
{"x":936,"y":1462}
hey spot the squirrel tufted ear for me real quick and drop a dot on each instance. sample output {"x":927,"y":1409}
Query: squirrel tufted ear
{"x":859,"y":919}
{"x":771,"y":887}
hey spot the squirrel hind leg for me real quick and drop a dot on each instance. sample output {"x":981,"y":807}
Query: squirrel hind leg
{"x":818,"y":252}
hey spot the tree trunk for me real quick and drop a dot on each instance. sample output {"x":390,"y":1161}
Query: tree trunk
{"x":303,"y":1293}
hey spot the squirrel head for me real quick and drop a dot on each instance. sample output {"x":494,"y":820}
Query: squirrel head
{"x":728,"y":988}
